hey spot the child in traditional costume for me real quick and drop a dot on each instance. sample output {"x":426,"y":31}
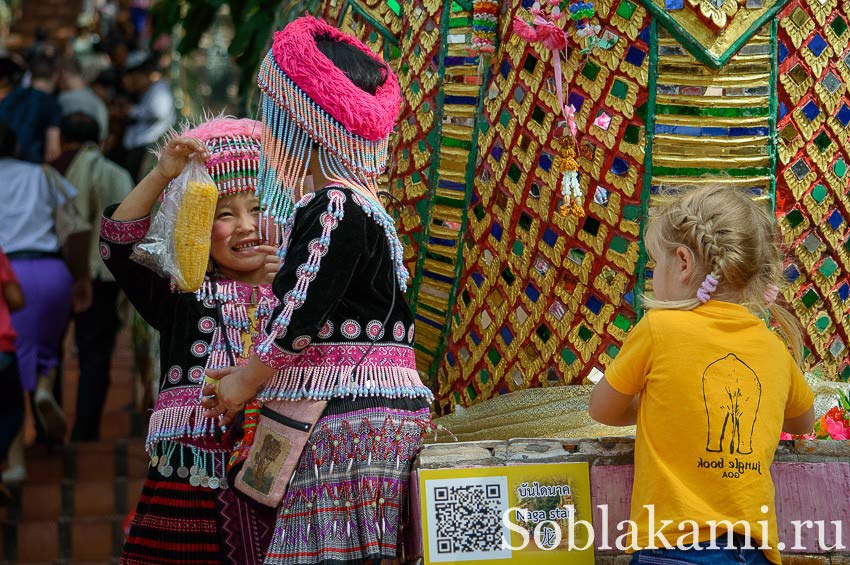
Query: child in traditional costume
{"x":343,"y":332}
{"x":187,"y":512}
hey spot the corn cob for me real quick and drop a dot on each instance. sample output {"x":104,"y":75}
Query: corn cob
{"x":192,"y":234}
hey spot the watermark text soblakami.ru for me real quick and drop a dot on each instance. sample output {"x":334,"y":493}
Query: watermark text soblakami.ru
{"x":548,"y":533}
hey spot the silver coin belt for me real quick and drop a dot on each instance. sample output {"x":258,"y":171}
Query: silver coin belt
{"x":202,"y":468}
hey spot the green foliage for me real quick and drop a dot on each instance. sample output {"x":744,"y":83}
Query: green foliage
{"x":253,"y":24}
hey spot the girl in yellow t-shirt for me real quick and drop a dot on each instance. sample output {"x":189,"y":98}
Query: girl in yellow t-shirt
{"x":708,"y":384}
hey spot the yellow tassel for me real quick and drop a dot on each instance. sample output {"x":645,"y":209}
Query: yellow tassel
{"x":192,"y":234}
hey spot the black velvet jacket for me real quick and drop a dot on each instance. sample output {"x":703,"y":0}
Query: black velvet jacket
{"x":343,"y":326}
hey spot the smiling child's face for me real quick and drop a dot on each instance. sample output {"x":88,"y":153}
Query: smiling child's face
{"x":235,"y":236}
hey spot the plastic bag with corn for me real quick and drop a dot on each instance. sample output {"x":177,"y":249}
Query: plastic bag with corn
{"x":178,"y":242}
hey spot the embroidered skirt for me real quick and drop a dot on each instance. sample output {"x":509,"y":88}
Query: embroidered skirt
{"x":347,"y":497}
{"x":177,"y":522}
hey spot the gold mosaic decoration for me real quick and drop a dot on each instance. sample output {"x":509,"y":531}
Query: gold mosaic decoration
{"x":813,"y":201}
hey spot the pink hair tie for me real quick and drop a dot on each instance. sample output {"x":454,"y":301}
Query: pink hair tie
{"x":709,"y":285}
{"x":771,"y":293}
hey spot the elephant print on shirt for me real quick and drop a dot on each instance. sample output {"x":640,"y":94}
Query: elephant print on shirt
{"x":732,"y":395}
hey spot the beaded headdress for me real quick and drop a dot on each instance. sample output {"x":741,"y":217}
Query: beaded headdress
{"x":308,"y":100}
{"x":234,"y":147}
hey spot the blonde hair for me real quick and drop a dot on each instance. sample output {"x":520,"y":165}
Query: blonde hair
{"x":732,"y":238}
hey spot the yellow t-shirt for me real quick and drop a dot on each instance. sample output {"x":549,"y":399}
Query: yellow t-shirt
{"x":715,"y":385}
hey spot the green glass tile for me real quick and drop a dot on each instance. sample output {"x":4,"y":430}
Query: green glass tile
{"x":806,"y":352}
{"x":819,"y":193}
{"x":544,"y":333}
{"x":810,"y":297}
{"x":619,"y":244}
{"x":828,"y":267}
{"x":530,"y":63}
{"x":484,"y":376}
{"x":631,"y":212}
{"x":405,"y":68}
{"x":416,"y":177}
{"x":847,"y":244}
{"x":457,"y":397}
{"x":439,"y":258}
{"x":622,"y":323}
{"x":619,"y":89}
{"x":405,"y":153}
{"x":568,"y":356}
{"x":591,"y":70}
{"x":450,"y":202}
{"x":632,"y":134}
{"x":426,"y":107}
{"x":576,"y":255}
{"x":460,"y":22}
{"x":538,"y":115}
{"x":712,"y":111}
{"x":456,"y":7}
{"x":436,"y":311}
{"x":524,"y":221}
{"x":483,"y":125}
{"x":823,"y":141}
{"x":422,"y":145}
{"x":395,"y":52}
{"x":626,"y":9}
{"x":514,"y":173}
{"x":794,"y":218}
{"x":845,"y":373}
{"x":414,"y":87}
{"x":505,"y":118}
{"x":509,"y":277}
{"x":494,"y":357}
{"x":518,"y":248}
{"x":840,"y":167}
{"x":584,"y":333}
{"x":394,"y":6}
{"x":470,"y":390}
{"x":465,"y":297}
{"x":838,"y":25}
{"x":461,"y":143}
{"x":479,"y":212}
{"x":417,"y":50}
{"x":612,"y":350}
{"x":373,"y":37}
{"x":822,"y":323}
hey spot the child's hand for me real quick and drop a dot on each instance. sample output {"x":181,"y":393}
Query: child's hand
{"x":272,"y":264}
{"x":177,"y":153}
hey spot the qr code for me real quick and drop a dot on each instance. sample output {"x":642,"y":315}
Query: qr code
{"x":465,"y":519}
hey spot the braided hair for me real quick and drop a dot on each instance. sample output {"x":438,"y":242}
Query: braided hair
{"x":736,"y":251}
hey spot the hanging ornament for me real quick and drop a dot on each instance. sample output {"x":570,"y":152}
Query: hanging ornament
{"x":484,"y":23}
{"x":546,"y":30}
{"x":566,"y":164}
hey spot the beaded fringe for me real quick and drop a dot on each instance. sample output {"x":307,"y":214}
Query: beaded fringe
{"x":322,"y":383}
{"x":178,"y":422}
{"x":201,"y":467}
{"x":293,"y":122}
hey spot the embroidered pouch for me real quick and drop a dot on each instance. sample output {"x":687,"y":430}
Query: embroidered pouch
{"x":279,"y":440}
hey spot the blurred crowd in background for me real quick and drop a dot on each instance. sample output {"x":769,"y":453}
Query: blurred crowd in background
{"x":79,"y":116}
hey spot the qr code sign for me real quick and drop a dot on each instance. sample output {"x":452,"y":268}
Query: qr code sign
{"x":465,"y":519}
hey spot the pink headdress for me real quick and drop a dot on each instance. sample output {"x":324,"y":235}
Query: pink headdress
{"x":234,"y":152}
{"x":307,"y":99}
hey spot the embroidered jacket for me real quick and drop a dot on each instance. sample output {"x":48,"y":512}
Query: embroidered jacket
{"x":190,"y":334}
{"x":343,"y":327}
